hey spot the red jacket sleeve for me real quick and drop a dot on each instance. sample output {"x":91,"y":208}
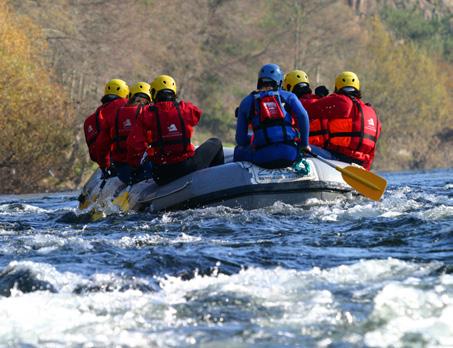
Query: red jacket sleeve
{"x":90,"y":131}
{"x":368,"y":165}
{"x":194,"y":111}
{"x":103,"y":143}
{"x":332,"y":106}
{"x":136,"y":142}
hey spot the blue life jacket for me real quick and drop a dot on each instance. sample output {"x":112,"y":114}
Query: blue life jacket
{"x":271,"y":123}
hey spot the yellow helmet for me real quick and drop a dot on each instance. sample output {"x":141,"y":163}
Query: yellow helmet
{"x":141,"y":87}
{"x":162,"y":82}
{"x":347,"y":79}
{"x":293,"y":78}
{"x":117,"y":87}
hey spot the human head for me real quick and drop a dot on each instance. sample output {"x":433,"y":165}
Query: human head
{"x":163,"y":88}
{"x":270,"y":75}
{"x":347,"y":82}
{"x":116,"y":87}
{"x":140,"y":93}
{"x":296,"y":81}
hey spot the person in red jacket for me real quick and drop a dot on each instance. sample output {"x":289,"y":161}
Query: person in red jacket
{"x":116,"y":127}
{"x":115,"y":93}
{"x":164,"y":131}
{"x":352,"y":125}
{"x":296,"y":81}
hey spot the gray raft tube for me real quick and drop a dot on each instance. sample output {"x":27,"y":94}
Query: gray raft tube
{"x":234,"y":184}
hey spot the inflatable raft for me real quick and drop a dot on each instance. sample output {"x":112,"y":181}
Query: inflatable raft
{"x":234,"y":184}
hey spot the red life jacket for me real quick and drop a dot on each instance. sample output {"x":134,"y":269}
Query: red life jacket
{"x":270,"y":109}
{"x":169,"y":136}
{"x":354,"y":129}
{"x":92,"y":128}
{"x":271,"y":123}
{"x":125,"y":118}
{"x":318,"y":124}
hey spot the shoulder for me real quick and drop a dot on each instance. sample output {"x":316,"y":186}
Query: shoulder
{"x":288,"y":97}
{"x":286,"y":94}
{"x":367,"y":104}
{"x":247,"y":101}
{"x":187,"y":105}
{"x":313,"y":96}
{"x":120,"y":102}
{"x":113,"y":105}
{"x":335,"y":98}
{"x":90,"y":117}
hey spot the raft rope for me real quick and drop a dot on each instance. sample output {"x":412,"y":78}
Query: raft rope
{"x":301,"y":166}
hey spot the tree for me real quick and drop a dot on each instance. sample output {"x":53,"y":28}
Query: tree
{"x":35,"y":119}
{"x":409,"y":92}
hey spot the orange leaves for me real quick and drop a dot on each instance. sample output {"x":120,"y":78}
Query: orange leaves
{"x":35,"y":121}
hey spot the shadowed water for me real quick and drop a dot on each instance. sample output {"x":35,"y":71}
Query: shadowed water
{"x":341,"y":274}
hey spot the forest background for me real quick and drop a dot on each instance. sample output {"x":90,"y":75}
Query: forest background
{"x":55,"y":57}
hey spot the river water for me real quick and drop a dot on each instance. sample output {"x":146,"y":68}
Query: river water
{"x":350,"y":273}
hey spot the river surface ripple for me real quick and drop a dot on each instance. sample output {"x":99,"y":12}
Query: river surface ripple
{"x":344,"y":274}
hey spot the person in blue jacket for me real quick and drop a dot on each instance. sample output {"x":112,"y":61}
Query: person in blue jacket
{"x":279,"y":121}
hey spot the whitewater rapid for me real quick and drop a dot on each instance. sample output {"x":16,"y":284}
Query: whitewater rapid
{"x":341,"y":274}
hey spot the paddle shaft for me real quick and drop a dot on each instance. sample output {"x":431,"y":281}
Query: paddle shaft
{"x":341,"y":170}
{"x":324,"y":160}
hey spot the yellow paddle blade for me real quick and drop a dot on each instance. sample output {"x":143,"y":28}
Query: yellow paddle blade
{"x":87,"y":202}
{"x":367,"y":183}
{"x":94,"y":198}
{"x":96,"y":215}
{"x":84,"y":204}
{"x":122,"y":201}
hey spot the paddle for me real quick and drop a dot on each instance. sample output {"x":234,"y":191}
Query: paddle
{"x":83,"y":201}
{"x":122,"y":201}
{"x":366,"y":183}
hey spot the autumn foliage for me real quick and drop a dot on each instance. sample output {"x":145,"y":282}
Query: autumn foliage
{"x":214,"y":49}
{"x":35,"y":119}
{"x":407,"y":87}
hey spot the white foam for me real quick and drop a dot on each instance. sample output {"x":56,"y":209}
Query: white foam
{"x":46,"y":243}
{"x":290,"y":301}
{"x":10,"y":232}
{"x":404,"y":309}
{"x":436,"y":213}
{"x":154,"y":239}
{"x":344,"y":211}
{"x":61,"y":281}
{"x":396,"y":203}
{"x":10,"y":209}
